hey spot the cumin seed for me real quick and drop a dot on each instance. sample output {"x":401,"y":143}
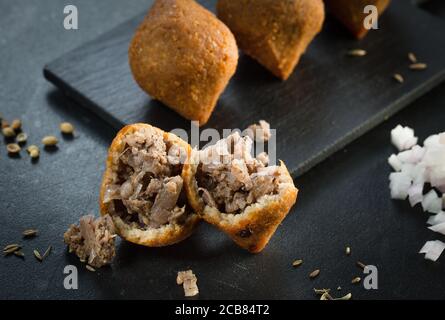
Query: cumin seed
{"x":314,"y":273}
{"x":398,"y":77}
{"x":357,"y":52}
{"x":30,"y":232}
{"x":297,"y":263}
{"x":37,"y":255}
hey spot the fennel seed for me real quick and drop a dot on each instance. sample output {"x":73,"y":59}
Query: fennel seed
{"x":11,"y":248}
{"x":412,"y":57}
{"x":19,"y":254}
{"x":49,"y":141}
{"x":13,"y":148}
{"x":398,"y":77}
{"x":47,"y":252}
{"x":297,"y":263}
{"x":16,"y":124}
{"x":66,"y":128}
{"x":418,"y":66}
{"x":37,"y":255}
{"x":356,"y":280}
{"x":357,"y":52}
{"x":314,"y":274}
{"x":30,"y":232}
{"x":90,"y":268}
{"x":8,"y":132}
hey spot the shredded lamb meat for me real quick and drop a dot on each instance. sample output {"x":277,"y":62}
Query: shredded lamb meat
{"x":259,"y":132}
{"x":230,"y":179}
{"x":147,"y":191}
{"x":189,"y":282}
{"x":92,"y":240}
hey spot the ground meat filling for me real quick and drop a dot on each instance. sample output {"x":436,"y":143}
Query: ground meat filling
{"x":230,"y":179}
{"x":147,"y":187}
{"x":92,"y":240}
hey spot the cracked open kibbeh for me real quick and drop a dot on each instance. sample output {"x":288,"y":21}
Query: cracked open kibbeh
{"x":142,"y":188}
{"x":351,"y":15}
{"x":274,"y":32}
{"x":239,"y":194}
{"x":183,"y":56}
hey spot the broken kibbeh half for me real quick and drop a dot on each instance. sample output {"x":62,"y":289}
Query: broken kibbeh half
{"x":183,"y":56}
{"x":93,"y":241}
{"x":351,"y":13}
{"x":274,"y":32}
{"x":142,"y":188}
{"x":241,"y":195}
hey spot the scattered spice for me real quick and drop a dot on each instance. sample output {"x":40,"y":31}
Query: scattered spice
{"x":398,"y":77}
{"x":16,"y":124}
{"x":361,"y":264}
{"x":30,"y":233}
{"x":11,"y":248}
{"x":90,"y":268}
{"x":314,"y":274}
{"x":356,"y":280}
{"x":297,"y":263}
{"x":22,"y":137}
{"x":49,"y":141}
{"x":13,"y":148}
{"x":418,"y":66}
{"x":348,"y":251}
{"x":33,"y":151}
{"x":66,"y":128}
{"x":412,"y":57}
{"x":47,"y":252}
{"x":346,"y":297}
{"x":357,"y":52}
{"x":37,"y":255}
{"x":8,"y":132}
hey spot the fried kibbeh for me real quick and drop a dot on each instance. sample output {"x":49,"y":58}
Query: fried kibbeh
{"x":274,"y":32}
{"x":183,"y":56}
{"x":142,"y":188}
{"x":243,"y":196}
{"x":351,"y":15}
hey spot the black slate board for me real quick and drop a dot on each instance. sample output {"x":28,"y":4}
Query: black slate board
{"x":330,"y":100}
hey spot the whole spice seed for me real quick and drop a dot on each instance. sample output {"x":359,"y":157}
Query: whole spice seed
{"x":361,"y":265}
{"x":412,"y":57}
{"x":346,"y":297}
{"x":326,"y":296}
{"x":37,"y":255}
{"x":357,"y":53}
{"x":19,"y":254}
{"x":49,"y":141}
{"x":348,"y":251}
{"x":30,"y":233}
{"x":418,"y":66}
{"x":297,"y":263}
{"x":47,"y":252}
{"x":13,"y":148}
{"x":314,"y":273}
{"x":321,"y":291}
{"x":66,"y":128}
{"x":11,"y":249}
{"x":22,"y":137}
{"x":90,"y":268}
{"x":356,"y":280}
{"x":16,"y":124}
{"x":33,"y":151}
{"x":9,"y":246}
{"x":8,"y":132}
{"x":398,"y":77}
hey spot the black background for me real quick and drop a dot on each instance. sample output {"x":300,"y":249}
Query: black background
{"x":343,"y":201}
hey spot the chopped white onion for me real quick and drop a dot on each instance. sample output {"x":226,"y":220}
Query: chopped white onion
{"x":400,"y":182}
{"x":440,"y":228}
{"x":436,"y":219}
{"x":395,"y":162}
{"x":415,"y":194}
{"x":433,"y":249}
{"x":431,"y":202}
{"x":403,"y":137}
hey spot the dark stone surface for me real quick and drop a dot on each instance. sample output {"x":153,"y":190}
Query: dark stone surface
{"x":343,"y":201}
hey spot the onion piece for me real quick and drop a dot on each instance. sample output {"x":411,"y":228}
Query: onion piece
{"x":440,"y":228}
{"x":433,"y":249}
{"x":436,"y":219}
{"x":400,"y":183}
{"x":395,"y":162}
{"x":403,"y":137}
{"x":431,"y":202}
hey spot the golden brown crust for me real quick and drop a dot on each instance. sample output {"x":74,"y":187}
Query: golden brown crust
{"x":163,"y":236}
{"x":350,"y":13}
{"x":274,"y":32}
{"x":253,"y":228}
{"x":184,"y":56}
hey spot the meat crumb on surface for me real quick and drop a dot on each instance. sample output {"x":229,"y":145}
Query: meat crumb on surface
{"x":189,"y":282}
{"x":93,"y":241}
